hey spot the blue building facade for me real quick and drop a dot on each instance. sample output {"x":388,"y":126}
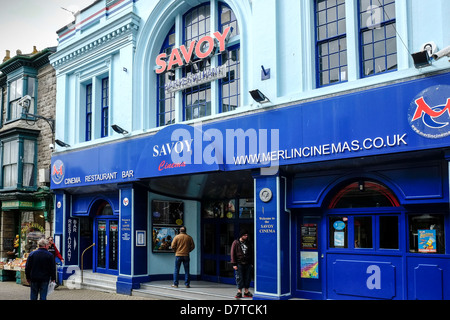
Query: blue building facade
{"x":307,"y":123}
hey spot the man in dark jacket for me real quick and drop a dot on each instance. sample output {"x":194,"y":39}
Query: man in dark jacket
{"x":39,"y":270}
{"x":242,"y":260}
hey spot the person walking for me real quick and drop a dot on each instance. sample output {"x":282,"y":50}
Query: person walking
{"x":182,"y":244}
{"x":242,"y":261}
{"x":39,"y":270}
{"x":55,"y":252}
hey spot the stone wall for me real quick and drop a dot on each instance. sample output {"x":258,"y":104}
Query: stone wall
{"x":45,"y":107}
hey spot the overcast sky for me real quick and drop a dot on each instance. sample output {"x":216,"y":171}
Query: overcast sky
{"x":28,"y":23}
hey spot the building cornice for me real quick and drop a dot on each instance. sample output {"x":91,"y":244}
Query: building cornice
{"x":125,"y":27}
{"x":35,"y":61}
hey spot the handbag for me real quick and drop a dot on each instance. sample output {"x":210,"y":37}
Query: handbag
{"x":51,"y":287}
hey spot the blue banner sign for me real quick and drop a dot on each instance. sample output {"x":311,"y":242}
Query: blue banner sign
{"x":402,"y":117}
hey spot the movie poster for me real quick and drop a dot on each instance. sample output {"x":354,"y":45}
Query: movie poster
{"x":309,"y":265}
{"x":427,"y":241}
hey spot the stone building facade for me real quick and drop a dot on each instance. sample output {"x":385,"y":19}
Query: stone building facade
{"x":26,"y":144}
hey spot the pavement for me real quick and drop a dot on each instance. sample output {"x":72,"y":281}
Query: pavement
{"x":65,"y":302}
{"x":10,"y":290}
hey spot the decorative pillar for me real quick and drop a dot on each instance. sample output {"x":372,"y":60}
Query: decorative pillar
{"x":133,"y":267}
{"x":272,"y":239}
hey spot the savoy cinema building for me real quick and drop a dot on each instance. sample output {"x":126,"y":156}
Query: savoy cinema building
{"x":321,"y":126}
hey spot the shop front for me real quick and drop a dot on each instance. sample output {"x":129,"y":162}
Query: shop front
{"x":373,"y":232}
{"x":24,"y":220}
{"x":349,"y":201}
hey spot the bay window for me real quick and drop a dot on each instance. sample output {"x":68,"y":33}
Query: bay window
{"x":19,"y":157}
{"x":17,"y":89}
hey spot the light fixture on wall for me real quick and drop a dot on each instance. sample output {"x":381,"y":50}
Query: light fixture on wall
{"x":424,"y":57}
{"x":258,"y":96}
{"x":421,"y":59}
{"x":61,"y":143}
{"x":118,"y":129}
{"x":25,"y":102}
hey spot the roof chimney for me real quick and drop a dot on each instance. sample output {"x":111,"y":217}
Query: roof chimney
{"x":8,"y":56}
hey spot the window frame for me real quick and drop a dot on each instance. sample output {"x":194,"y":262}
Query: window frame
{"x":105,"y":102}
{"x":13,"y":111}
{"x":383,"y":23}
{"x":328,"y":40}
{"x":376,"y":234}
{"x":170,"y":99}
{"x":95,"y":118}
{"x":443,"y":237}
{"x":177,"y":105}
{"x":203,"y":89}
{"x":20,"y":135}
{"x":89,"y":99}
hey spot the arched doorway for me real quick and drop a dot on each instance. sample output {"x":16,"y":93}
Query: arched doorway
{"x":106,"y":238}
{"x":364,"y":225}
{"x":359,"y":218}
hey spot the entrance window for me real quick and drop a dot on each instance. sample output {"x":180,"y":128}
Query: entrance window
{"x":219,"y":209}
{"x":388,"y":232}
{"x":364,"y":194}
{"x":363,"y":232}
{"x":222,"y":220}
{"x":426,"y":233}
{"x":338,"y":232}
{"x":104,"y":209}
{"x":362,"y":227}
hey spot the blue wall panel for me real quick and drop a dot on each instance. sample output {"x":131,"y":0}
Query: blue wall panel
{"x":428,"y":278}
{"x":364,"y":277}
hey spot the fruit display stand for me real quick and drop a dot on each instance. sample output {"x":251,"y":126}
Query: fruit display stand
{"x":6,"y":274}
{"x":14,"y":270}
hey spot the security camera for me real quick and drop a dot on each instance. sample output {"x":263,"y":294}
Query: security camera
{"x":51,"y":146}
{"x":25,"y":103}
{"x":444,"y":52}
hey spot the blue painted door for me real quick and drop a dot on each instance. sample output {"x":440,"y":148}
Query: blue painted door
{"x":310,"y":260}
{"x":365,"y":254}
{"x":107,"y":245}
{"x":370,"y":256}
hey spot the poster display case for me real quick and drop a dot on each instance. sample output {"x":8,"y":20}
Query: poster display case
{"x":167,"y":219}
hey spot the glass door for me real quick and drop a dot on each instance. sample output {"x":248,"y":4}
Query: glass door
{"x":107,"y":245}
{"x":222,"y":222}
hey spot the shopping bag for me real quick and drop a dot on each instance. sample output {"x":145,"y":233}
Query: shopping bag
{"x":51,"y":287}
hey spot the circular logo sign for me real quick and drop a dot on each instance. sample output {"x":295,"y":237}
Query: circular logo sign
{"x":429,"y":112}
{"x":58,"y":171}
{"x":265,"y":195}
